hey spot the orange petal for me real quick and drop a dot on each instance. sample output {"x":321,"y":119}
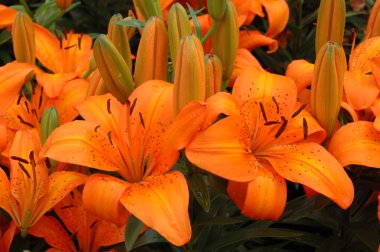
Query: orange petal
{"x":262,"y":198}
{"x":96,"y":109}
{"x":242,"y":9}
{"x":6,"y":240}
{"x":361,"y":89}
{"x":108,"y":233}
{"x":12,"y":77}
{"x":350,"y":110}
{"x":167,"y":198}
{"x":77,"y":56}
{"x":243,"y":60}
{"x":356,"y":143}
{"x":83,"y":143}
{"x":254,"y":39}
{"x":311,"y":165}
{"x":108,"y":190}
{"x":223,"y":149}
{"x":50,"y":229}
{"x":60,"y":184}
{"x":7,"y":16}
{"x":73,"y":93}
{"x":301,"y":72}
{"x":47,"y":49}
{"x":278,"y":16}
{"x":360,"y":57}
{"x":54,"y":83}
{"x":375,"y":67}
{"x":3,"y":137}
{"x":257,"y":85}
{"x":7,"y":202}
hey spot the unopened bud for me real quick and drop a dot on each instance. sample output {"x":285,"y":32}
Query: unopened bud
{"x":214,"y":71}
{"x":216,"y":8}
{"x":327,"y":85}
{"x":330,"y":24}
{"x":23,"y":39}
{"x":118,"y":34}
{"x":178,"y":27}
{"x":373,"y":26}
{"x":149,"y":8}
{"x":49,"y":122}
{"x":152,"y":54}
{"x":189,"y":77}
{"x":226,"y":39}
{"x":114,"y":70}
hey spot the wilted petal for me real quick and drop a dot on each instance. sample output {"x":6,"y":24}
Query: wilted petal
{"x":262,"y":198}
{"x":356,"y":143}
{"x":253,"y":39}
{"x":167,"y":198}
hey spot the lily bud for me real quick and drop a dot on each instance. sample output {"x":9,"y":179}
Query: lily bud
{"x":23,"y":39}
{"x":216,"y":8}
{"x":226,"y":39}
{"x":327,"y":85}
{"x":63,"y":4}
{"x":149,"y":8}
{"x":130,"y":29}
{"x":152,"y":54}
{"x":189,"y":77}
{"x":178,"y":27}
{"x":49,"y":122}
{"x":114,"y":70}
{"x":214,"y":71}
{"x":373,"y":26}
{"x":118,"y":34}
{"x":330,"y":24}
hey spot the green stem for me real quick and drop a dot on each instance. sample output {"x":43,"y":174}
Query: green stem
{"x":210,"y":32}
{"x":87,"y":73}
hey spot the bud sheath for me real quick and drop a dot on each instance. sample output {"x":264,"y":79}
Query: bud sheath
{"x":214,"y":71}
{"x":23,"y":39}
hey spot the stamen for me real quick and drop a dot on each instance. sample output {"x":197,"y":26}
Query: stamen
{"x":19,"y":99}
{"x":40,"y":99}
{"x":281,"y":129}
{"x":263,"y":111}
{"x":24,"y":122}
{"x":109,"y":137}
{"x":22,"y":167}
{"x":47,"y":162}
{"x":298,"y":111}
{"x":276,"y":103}
{"x":64,"y":32}
{"x":60,"y":43}
{"x":305,"y":129}
{"x":31,"y":158}
{"x":35,"y":113}
{"x":142,"y":120}
{"x":68,"y":206}
{"x":133,"y":106}
{"x":271,"y":123}
{"x":109,"y":106}
{"x":96,"y":128}
{"x":80,"y":41}
{"x":68,"y":47}
{"x":93,"y":224}
{"x":20,"y":159}
{"x":27,"y":107}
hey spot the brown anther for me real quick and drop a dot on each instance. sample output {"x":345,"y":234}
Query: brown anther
{"x":68,"y":47}
{"x":60,"y":43}
{"x":19,"y":99}
{"x":35,"y":113}
{"x":68,"y":206}
{"x":31,"y":158}
{"x":80,"y":41}
{"x":277,"y":105}
{"x":142,"y":120}
{"x":271,"y":123}
{"x":40,"y":99}
{"x":96,"y":128}
{"x":20,"y":159}
{"x":26,"y":106}
{"x":305,"y":128}
{"x":263,"y":112}
{"x":109,"y":106}
{"x":64,"y":32}
{"x":22,"y":167}
{"x":24,"y":122}
{"x":109,"y":137}
{"x":298,"y":111}
{"x":281,"y":129}
{"x":93,"y":224}
{"x":133,"y":106}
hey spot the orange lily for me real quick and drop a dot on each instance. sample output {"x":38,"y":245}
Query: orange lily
{"x":272,"y":139}
{"x":67,"y":57}
{"x":140,"y":141}
{"x":91,"y":231}
{"x":7,"y":236}
{"x":31,"y":192}
{"x":7,"y":16}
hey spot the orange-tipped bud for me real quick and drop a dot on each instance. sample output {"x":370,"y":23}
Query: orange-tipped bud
{"x":49,"y":122}
{"x":178,"y":27}
{"x":118,"y":34}
{"x":226,"y":39}
{"x":23,"y":39}
{"x":214,"y":71}
{"x":63,"y":4}
{"x":373,"y":26}
{"x":152,"y":54}
{"x":327,"y":85}
{"x":149,"y":8}
{"x":114,"y":70}
{"x":189,"y":77}
{"x":216,"y":8}
{"x":330,"y":24}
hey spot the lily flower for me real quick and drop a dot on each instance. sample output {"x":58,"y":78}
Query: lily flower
{"x":272,"y":139}
{"x":140,"y":141}
{"x":67,"y":57}
{"x":7,"y":16}
{"x":31,"y":192}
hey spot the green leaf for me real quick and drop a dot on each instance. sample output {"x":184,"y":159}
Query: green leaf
{"x":197,"y":25}
{"x":149,"y":237}
{"x":49,"y":12}
{"x":200,"y":190}
{"x":220,"y":220}
{"x":131,"y":23}
{"x":367,"y":233}
{"x":5,"y":36}
{"x":132,"y":231}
